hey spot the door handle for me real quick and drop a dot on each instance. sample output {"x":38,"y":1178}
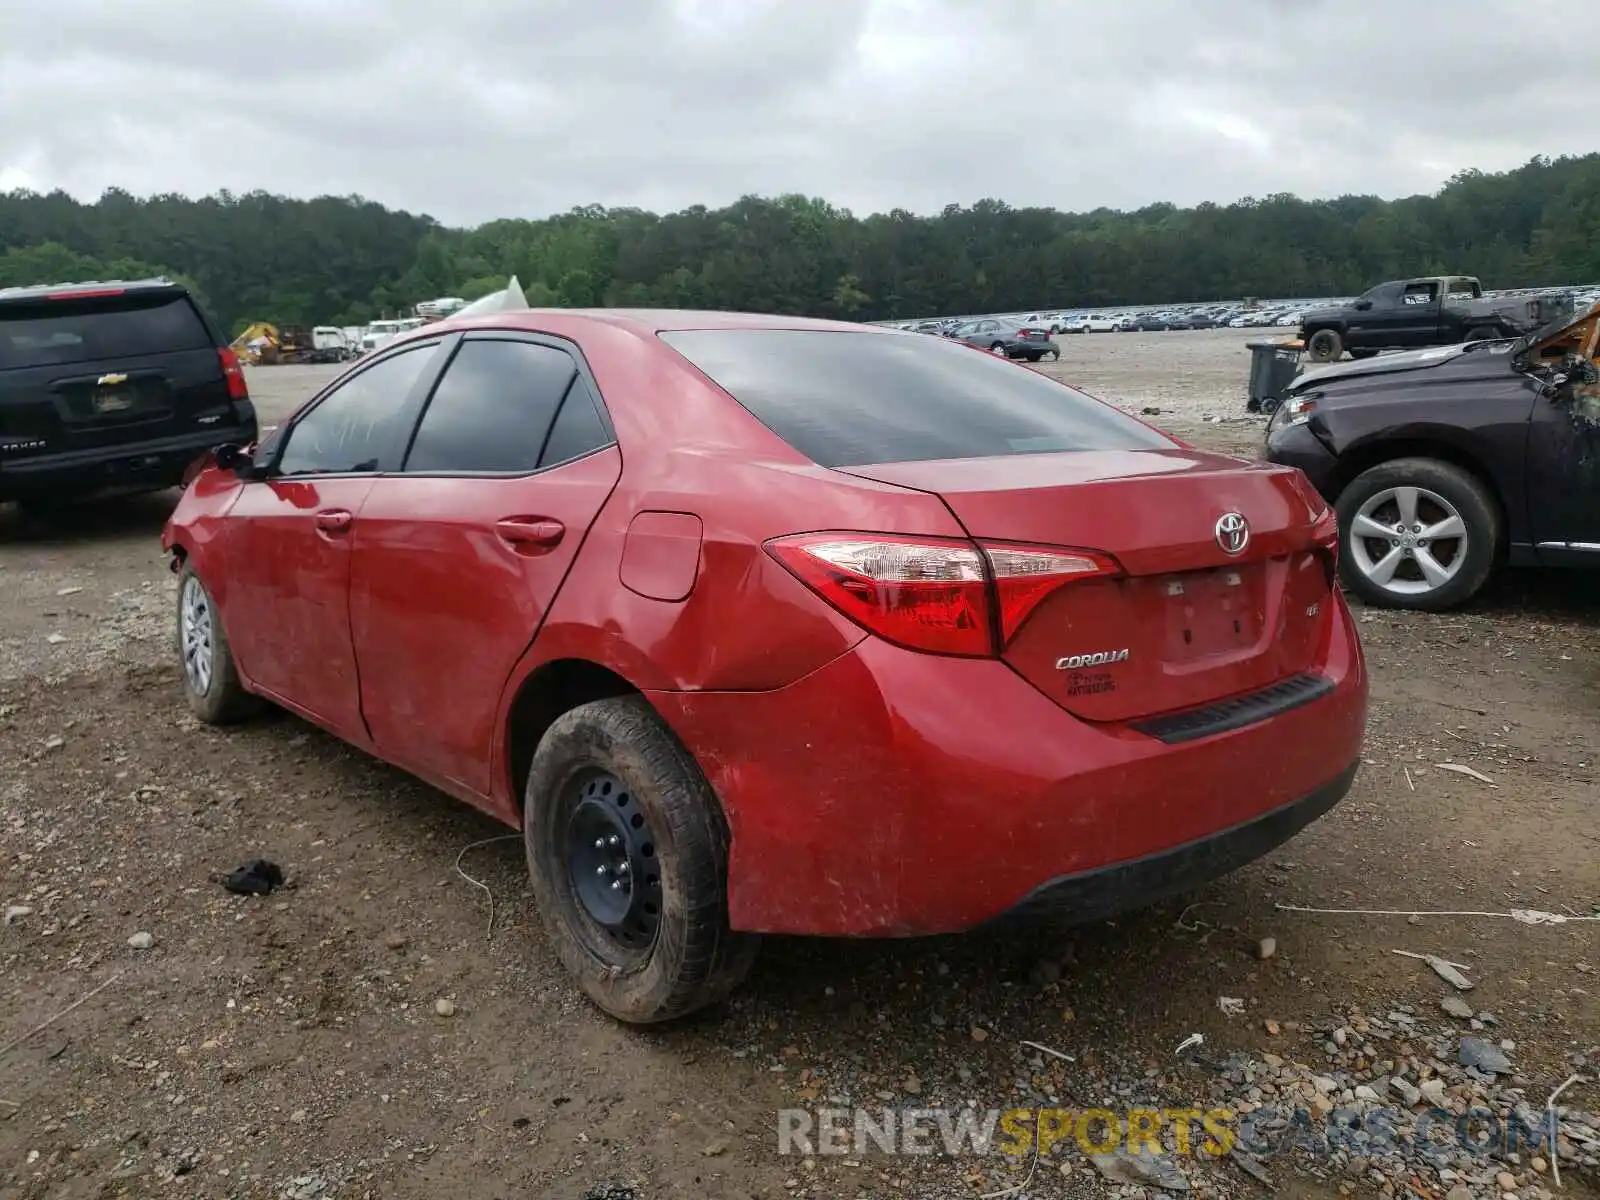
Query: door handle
{"x":530,"y":531}
{"x":334,"y":520}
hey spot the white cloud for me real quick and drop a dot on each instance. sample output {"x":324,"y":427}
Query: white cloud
{"x":478,"y":108}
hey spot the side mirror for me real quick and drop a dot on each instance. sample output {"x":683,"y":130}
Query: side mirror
{"x":235,"y":458}
{"x":1362,"y":305}
{"x":230,"y":457}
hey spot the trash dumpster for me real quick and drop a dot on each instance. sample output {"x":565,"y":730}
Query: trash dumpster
{"x":1272,"y":366}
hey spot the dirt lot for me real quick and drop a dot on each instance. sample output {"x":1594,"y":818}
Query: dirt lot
{"x":292,"y":1047}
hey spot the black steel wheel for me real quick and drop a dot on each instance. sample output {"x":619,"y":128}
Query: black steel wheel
{"x":628,"y":855}
{"x":611,"y":861}
{"x":1325,"y":346}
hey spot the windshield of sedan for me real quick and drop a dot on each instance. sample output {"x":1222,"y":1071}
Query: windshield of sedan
{"x":849,"y":399}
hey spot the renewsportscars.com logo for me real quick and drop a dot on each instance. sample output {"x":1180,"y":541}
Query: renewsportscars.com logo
{"x":1212,"y":1132}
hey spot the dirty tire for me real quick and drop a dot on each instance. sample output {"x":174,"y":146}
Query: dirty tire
{"x":1472,"y":499}
{"x":224,"y":700}
{"x":1325,"y":346}
{"x":1484,"y":333}
{"x":695,"y":958}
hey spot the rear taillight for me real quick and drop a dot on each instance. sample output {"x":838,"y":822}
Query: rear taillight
{"x":234,"y":374}
{"x":940,"y":595}
{"x":1325,"y":537}
{"x":1025,"y":575}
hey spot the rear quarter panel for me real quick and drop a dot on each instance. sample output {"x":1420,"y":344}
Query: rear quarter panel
{"x":687,"y":448}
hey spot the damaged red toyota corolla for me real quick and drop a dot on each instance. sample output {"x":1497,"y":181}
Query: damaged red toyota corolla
{"x":757,"y":624}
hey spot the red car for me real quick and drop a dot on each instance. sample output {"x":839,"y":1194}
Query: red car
{"x":766,"y":625}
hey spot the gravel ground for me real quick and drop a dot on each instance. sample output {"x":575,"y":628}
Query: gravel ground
{"x":364,"y":1032}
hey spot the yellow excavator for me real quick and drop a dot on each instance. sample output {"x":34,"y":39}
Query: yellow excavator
{"x":267,"y":344}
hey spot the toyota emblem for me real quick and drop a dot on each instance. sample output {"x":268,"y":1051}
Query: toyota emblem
{"x":1233,"y":533}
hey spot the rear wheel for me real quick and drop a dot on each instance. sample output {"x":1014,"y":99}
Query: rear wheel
{"x":1035,"y":355}
{"x":210,"y":679}
{"x":1325,"y":346}
{"x":628,"y":856}
{"x":1417,"y":533}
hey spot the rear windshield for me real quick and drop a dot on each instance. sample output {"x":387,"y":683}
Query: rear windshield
{"x":848,"y":399}
{"x":60,"y":332}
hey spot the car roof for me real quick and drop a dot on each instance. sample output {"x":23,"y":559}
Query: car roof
{"x":654,"y":320}
{"x":96,"y":287}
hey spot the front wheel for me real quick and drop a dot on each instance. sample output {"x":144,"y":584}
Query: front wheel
{"x":998,"y":348}
{"x":1417,"y":533}
{"x":210,"y":680}
{"x":1484,"y":333}
{"x":628,"y":855}
{"x":1325,"y":346}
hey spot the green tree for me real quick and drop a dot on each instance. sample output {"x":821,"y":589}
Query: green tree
{"x":346,"y":259}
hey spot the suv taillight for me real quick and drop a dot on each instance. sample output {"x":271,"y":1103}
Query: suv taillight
{"x":940,"y":595}
{"x":234,"y":374}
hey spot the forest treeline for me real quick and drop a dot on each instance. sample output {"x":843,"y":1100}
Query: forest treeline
{"x":346,"y":260}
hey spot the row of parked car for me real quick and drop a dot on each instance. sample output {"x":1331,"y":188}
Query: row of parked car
{"x":1155,"y":320}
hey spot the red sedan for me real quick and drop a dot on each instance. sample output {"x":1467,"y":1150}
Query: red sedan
{"x":757,"y":624}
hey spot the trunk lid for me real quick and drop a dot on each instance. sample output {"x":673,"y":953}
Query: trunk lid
{"x":1187,"y":623}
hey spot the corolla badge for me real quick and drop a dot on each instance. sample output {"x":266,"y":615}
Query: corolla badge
{"x":1100,"y":658}
{"x":1233,"y":533}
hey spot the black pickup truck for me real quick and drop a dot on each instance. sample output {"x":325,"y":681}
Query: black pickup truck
{"x":1437,"y":310}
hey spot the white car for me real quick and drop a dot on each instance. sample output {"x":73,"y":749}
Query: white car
{"x":1053,"y":321}
{"x":1099,"y":323}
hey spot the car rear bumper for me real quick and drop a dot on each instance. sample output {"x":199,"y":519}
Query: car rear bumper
{"x":892,"y":793}
{"x":1107,"y":891}
{"x":153,"y":462}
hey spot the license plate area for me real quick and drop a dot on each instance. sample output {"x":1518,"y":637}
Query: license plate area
{"x":1210,"y":613}
{"x":108,"y":401}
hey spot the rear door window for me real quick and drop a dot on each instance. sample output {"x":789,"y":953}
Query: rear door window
{"x":578,"y":429}
{"x":850,"y":399}
{"x":65,"y":332}
{"x":492,"y":409}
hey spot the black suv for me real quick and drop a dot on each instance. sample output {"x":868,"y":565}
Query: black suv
{"x":111,"y":387}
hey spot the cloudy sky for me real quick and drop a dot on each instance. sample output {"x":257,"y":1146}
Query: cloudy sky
{"x":475,"y":109}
